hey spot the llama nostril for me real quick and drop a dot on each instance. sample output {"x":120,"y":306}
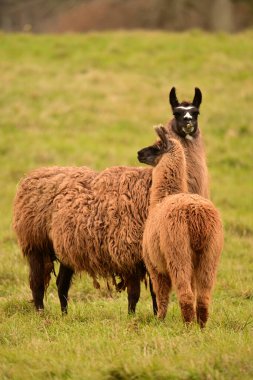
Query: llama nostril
{"x":188,"y":123}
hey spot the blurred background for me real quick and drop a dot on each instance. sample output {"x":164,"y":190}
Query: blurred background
{"x":91,"y":99}
{"x":57,"y":16}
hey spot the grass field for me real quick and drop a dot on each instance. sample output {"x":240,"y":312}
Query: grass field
{"x":92,"y":100}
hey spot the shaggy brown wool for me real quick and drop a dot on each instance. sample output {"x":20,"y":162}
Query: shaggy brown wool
{"x":100,"y":231}
{"x":32,"y":218}
{"x":92,"y":222}
{"x":111,"y":208}
{"x":117,"y":199}
{"x":183,"y":237}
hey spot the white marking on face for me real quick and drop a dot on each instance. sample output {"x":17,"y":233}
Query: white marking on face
{"x":187,"y":116}
{"x":186,"y":108}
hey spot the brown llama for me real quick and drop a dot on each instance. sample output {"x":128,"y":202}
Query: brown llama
{"x":184,"y":128}
{"x":119,"y":195}
{"x":183,"y":235}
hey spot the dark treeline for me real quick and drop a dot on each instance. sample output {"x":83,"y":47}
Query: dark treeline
{"x":42,"y":16}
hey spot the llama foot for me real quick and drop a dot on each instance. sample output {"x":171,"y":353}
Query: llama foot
{"x":202,"y":316}
{"x":161,"y":315}
{"x":188,"y":313}
{"x":64,"y":311}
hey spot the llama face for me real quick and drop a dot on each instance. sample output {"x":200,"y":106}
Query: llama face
{"x":152,"y":154}
{"x":185,"y":121}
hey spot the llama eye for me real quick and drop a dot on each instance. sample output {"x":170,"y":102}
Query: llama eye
{"x":176,"y":114}
{"x":195,"y":114}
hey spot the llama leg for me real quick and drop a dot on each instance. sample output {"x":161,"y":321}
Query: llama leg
{"x":186,"y":300}
{"x":133,"y":285}
{"x":194,"y":288}
{"x":162,"y":287}
{"x":203,"y":301}
{"x":204,"y":288}
{"x":181,"y":276}
{"x":153,"y":297}
{"x":163,"y":292}
{"x":48,"y":268}
{"x":63,"y":283}
{"x":205,"y":276}
{"x":36,"y":263}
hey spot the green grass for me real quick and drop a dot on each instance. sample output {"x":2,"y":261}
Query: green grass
{"x":92,"y":100}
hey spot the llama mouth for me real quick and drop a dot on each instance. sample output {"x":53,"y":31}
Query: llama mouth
{"x":188,"y":129}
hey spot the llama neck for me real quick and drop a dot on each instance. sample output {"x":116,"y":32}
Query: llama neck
{"x":170,"y":175}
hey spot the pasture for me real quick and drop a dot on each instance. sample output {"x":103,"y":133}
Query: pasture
{"x":92,"y":100}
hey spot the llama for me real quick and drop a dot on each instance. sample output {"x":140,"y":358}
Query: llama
{"x":184,"y":128}
{"x":183,"y":236}
{"x":120,"y":196}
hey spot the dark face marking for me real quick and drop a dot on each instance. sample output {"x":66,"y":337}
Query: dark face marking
{"x":186,"y":118}
{"x":152,"y":154}
{"x":186,"y":114}
{"x":149,"y":155}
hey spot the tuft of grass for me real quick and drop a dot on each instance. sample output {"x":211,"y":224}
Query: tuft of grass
{"x":92,"y":100}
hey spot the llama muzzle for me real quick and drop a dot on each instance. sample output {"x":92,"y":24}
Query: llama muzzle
{"x":189,"y":128}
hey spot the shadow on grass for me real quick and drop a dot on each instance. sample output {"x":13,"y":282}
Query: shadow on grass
{"x":122,"y":373}
{"x":15,"y":306}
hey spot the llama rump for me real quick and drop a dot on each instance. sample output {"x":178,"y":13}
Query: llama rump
{"x":32,"y":216}
{"x":94,"y":221}
{"x":183,"y":236}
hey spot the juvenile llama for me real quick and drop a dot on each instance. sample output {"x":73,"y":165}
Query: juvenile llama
{"x":183,"y":235}
{"x":94,"y":221}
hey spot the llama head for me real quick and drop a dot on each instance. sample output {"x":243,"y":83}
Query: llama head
{"x":185,"y":122}
{"x":152,"y":154}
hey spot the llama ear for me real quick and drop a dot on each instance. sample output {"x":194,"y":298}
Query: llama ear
{"x":197,"y":97}
{"x":163,"y":135}
{"x":173,"y":98}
